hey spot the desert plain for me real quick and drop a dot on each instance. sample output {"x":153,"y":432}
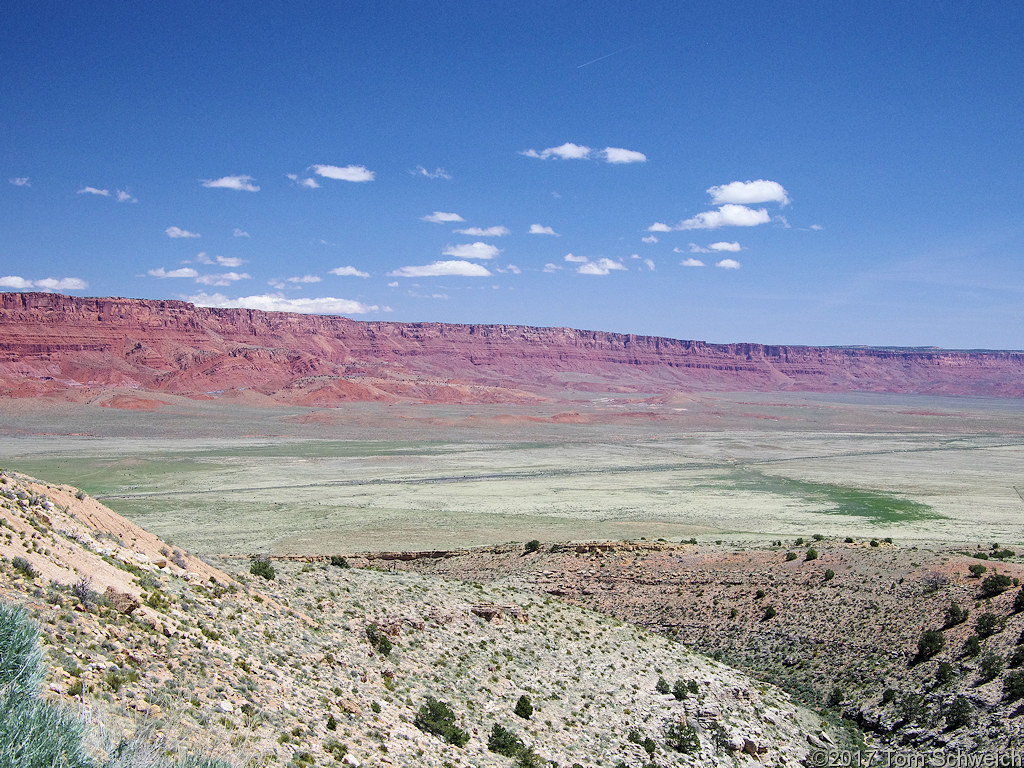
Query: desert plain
{"x":229,"y":477}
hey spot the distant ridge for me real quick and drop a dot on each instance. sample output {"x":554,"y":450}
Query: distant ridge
{"x":51,"y":344}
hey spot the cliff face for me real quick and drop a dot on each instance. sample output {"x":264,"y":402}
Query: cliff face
{"x":54,"y":343}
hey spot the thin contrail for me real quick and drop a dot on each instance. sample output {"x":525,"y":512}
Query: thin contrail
{"x":602,"y":58}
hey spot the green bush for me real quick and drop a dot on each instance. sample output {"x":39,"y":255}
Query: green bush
{"x":1016,"y":658}
{"x":930,"y":643}
{"x":524,"y":707}
{"x":533,"y":545}
{"x":829,"y":574}
{"x":944,"y":673}
{"x":437,"y":718}
{"x":769,"y":613}
{"x":955,"y":615}
{"x":987,"y":625}
{"x":972,"y":646}
{"x":259,"y":566}
{"x":960,"y":713}
{"x":378,"y":639}
{"x":682,"y":737}
{"x":662,"y":686}
{"x":976,"y":570}
{"x":790,"y":556}
{"x":1013,"y":686}
{"x":995,"y":584}
{"x":24,"y":567}
{"x":339,"y":562}
{"x":679,"y":690}
{"x":505,"y":742}
{"x":336,"y":749}
{"x":991,"y":666}
{"x":812,"y":554}
{"x":1018,"y":601}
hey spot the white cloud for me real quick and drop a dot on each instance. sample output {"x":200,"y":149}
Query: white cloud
{"x":488,"y":232}
{"x":567,"y":151}
{"x":224,"y":278}
{"x":602,"y":266}
{"x":511,"y":269}
{"x":20,"y":181}
{"x":124,"y":196}
{"x":240,"y":233}
{"x":692,"y":262}
{"x":694,"y":248}
{"x":576,"y":259}
{"x":649,"y":239}
{"x":744,"y":192}
{"x":443,"y":269}
{"x":347,"y":173}
{"x":816,"y":227}
{"x":179,"y":232}
{"x":239,"y":183}
{"x":440,"y":217}
{"x":650,"y":264}
{"x":437,"y":173}
{"x":14,"y":281}
{"x":732,"y":247}
{"x":729,"y":215}
{"x":182,"y":272}
{"x":540,"y":229}
{"x":348,"y":272}
{"x":94,"y":191}
{"x":230,"y":261}
{"x":659,"y":227}
{"x":618,"y":155}
{"x":275,"y":302}
{"x":304,"y":279}
{"x":476,"y":250}
{"x":393,"y":284}
{"x":549,"y":267}
{"x":46,"y":284}
{"x":728,"y":264}
{"x":308,"y":183}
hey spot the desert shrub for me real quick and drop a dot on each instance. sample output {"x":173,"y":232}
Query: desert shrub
{"x":336,"y":749}
{"x":913,"y":708}
{"x":662,"y":686}
{"x":829,"y":574}
{"x":987,"y":625}
{"x":888,"y":696}
{"x":930,"y":643}
{"x":1003,"y":554}
{"x":959,"y":714}
{"x":790,"y":556}
{"x":437,"y":718}
{"x":339,"y":562}
{"x":995,"y":584}
{"x":848,"y":540}
{"x":679,"y":690}
{"x":836,"y":696}
{"x":532,"y":546}
{"x":760,"y":593}
{"x":1013,"y":685}
{"x":1018,"y":601}
{"x":955,"y":615}
{"x":505,"y":742}
{"x":976,"y":570}
{"x":23,"y":567}
{"x":530,"y":759}
{"x":972,"y":646}
{"x":980,"y":556}
{"x":260,"y":566}
{"x":800,"y":541}
{"x":991,"y":666}
{"x":378,"y":639}
{"x":769,"y":613}
{"x":80,"y":495}
{"x":944,"y":673}
{"x":812,"y":554}
{"x":1016,"y":658}
{"x":873,"y":543}
{"x":332,"y":723}
{"x":682,"y":737}
{"x":524,"y":707}
{"x":817,"y":537}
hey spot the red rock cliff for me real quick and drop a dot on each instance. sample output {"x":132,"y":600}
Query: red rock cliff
{"x":50,"y":342}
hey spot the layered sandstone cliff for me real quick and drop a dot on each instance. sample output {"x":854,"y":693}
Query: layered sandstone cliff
{"x":54,"y":343}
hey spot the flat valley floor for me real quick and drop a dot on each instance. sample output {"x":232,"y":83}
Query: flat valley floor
{"x":224,"y":477}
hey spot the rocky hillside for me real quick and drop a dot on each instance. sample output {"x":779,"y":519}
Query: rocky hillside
{"x":75,"y":347}
{"x":303,"y":664}
{"x":838,"y":623}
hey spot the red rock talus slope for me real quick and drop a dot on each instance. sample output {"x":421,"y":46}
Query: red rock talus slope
{"x":59,"y":344}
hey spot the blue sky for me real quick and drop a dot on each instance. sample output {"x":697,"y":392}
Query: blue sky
{"x":783,"y":172}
